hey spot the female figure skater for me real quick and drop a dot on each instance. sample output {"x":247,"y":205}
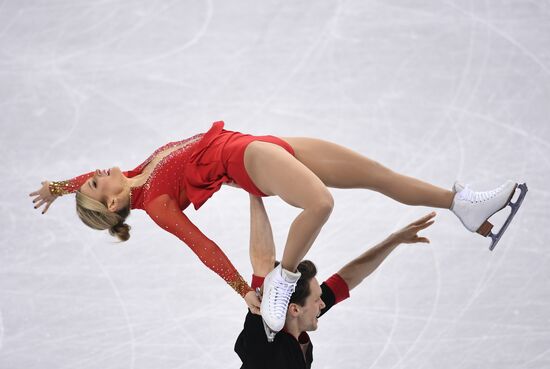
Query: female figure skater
{"x":298,"y":170}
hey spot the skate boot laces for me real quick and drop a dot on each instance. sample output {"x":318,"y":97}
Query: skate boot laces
{"x":479,"y":196}
{"x":280,"y":294}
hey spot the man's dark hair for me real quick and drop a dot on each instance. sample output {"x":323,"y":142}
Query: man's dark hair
{"x":302,"y":291}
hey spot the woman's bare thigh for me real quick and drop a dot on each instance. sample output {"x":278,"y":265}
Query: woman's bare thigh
{"x":338,"y":166}
{"x":276,"y":172}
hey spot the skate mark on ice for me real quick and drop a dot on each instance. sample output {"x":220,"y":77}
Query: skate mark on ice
{"x":113,"y":40}
{"x":509,"y":127}
{"x":430,"y":318}
{"x":389,"y":340}
{"x":493,"y":268}
{"x":201,"y":32}
{"x":463,"y":74}
{"x":320,"y":43}
{"x":505,"y":36}
{"x":122,"y":306}
{"x":198,"y":346}
{"x":451,"y":107}
{"x":480,"y":77}
{"x":1,"y":330}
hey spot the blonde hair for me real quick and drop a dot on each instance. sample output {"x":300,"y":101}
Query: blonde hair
{"x":96,"y":215}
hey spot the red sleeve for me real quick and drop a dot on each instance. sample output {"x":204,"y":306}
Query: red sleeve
{"x":257,"y":281}
{"x":60,"y":188}
{"x":166,"y":213}
{"x":339,"y":287}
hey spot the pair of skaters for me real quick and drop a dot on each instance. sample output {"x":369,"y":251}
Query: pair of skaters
{"x":291,"y":348}
{"x":299,"y":170}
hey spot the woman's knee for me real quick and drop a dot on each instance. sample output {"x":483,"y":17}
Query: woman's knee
{"x":323,"y":205}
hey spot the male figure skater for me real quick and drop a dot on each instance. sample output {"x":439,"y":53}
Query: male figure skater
{"x":291,"y":348}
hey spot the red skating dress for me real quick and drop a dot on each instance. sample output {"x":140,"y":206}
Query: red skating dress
{"x":192,"y":173}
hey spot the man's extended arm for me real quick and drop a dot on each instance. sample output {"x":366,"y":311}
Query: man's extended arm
{"x":361,"y":267}
{"x":262,"y":246}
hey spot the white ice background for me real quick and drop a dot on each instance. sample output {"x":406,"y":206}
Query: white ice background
{"x":440,"y":90}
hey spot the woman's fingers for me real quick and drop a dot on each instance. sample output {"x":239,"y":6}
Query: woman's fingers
{"x":47,"y":207}
{"x":253,"y":302}
{"x":255,"y":309}
{"x":37,"y":192}
{"x":42,"y":196}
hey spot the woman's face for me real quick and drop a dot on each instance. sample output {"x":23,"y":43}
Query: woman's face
{"x":104,"y":185}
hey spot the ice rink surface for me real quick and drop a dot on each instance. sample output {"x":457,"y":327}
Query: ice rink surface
{"x":440,"y":90}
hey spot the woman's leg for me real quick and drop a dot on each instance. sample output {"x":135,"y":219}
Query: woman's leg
{"x":340,"y":167}
{"x":275,"y":172}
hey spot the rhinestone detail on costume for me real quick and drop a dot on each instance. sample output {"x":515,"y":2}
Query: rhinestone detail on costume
{"x":62,"y":188}
{"x":163,"y":196}
{"x":240,"y":285}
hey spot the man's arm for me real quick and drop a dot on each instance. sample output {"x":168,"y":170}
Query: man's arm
{"x":262,"y":246}
{"x":361,"y":267}
{"x":252,"y":343}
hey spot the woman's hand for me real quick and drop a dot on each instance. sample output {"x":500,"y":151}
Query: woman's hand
{"x":253,"y":302}
{"x":409,"y":234}
{"x":43,"y":196}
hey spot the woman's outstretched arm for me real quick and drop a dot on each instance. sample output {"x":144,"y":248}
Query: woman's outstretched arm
{"x":166,"y":213}
{"x":50,"y":191}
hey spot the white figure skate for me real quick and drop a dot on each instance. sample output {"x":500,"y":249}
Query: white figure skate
{"x":474,"y":208}
{"x":279,"y":285}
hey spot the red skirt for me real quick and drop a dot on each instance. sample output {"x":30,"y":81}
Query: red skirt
{"x":218,"y":158}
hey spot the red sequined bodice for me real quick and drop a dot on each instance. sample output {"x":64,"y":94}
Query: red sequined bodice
{"x":169,"y":189}
{"x":167,"y":177}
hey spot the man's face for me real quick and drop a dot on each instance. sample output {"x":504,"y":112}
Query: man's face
{"x":309,"y":313}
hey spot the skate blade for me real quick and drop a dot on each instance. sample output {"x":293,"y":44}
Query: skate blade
{"x":268,"y":332}
{"x":485,"y":229}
